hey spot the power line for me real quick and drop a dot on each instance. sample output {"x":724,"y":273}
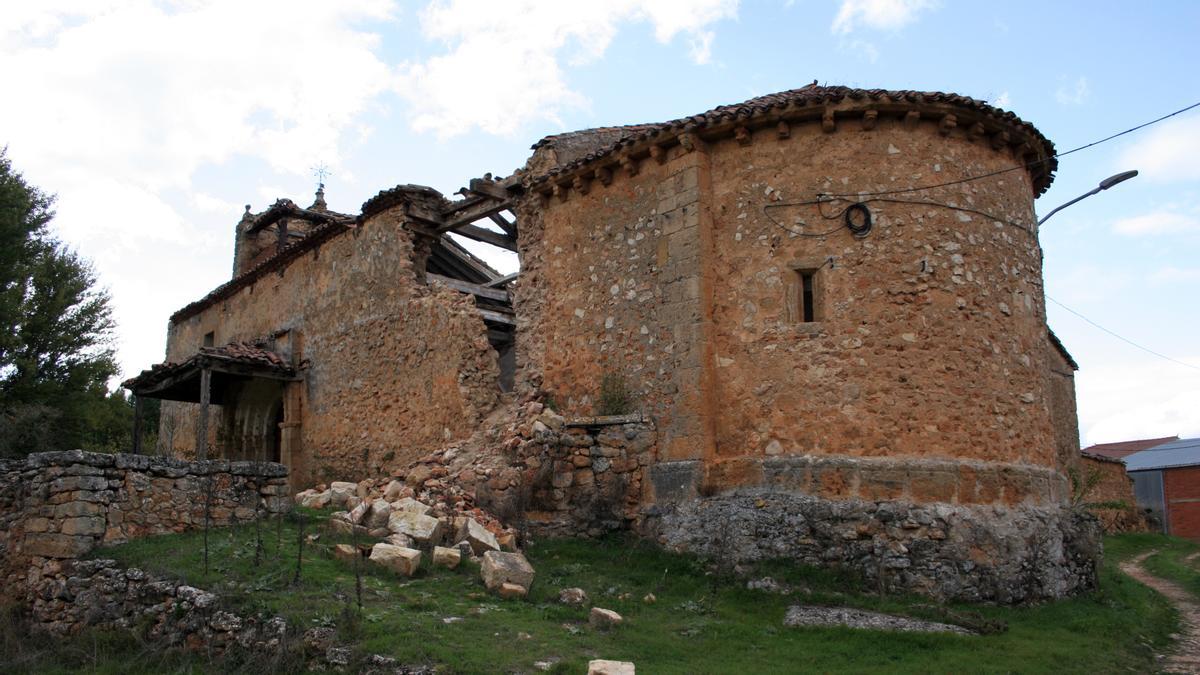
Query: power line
{"x":1122,"y":338}
{"x":1023,"y":166}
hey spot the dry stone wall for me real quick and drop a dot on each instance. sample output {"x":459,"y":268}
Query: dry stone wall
{"x":67,"y":596}
{"x":70,"y":595}
{"x":60,"y":505}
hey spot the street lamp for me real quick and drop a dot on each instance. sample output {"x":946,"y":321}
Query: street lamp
{"x":1104,"y":185}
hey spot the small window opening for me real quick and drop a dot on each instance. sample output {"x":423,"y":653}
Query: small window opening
{"x":209,"y":338}
{"x":807,"y":310}
{"x":804,"y":290}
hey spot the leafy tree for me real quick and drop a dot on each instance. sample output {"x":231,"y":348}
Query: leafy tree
{"x":56,"y":330}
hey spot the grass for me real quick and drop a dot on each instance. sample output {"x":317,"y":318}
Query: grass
{"x":701,"y":622}
{"x":1169,"y":562}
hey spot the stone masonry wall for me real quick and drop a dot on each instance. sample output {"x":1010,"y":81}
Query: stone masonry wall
{"x":929,"y":339}
{"x":1060,"y":376}
{"x":970,"y":553}
{"x":60,"y":505}
{"x":392,"y":368}
{"x":1113,"y":488}
{"x":681,"y":276}
{"x":610,"y":285}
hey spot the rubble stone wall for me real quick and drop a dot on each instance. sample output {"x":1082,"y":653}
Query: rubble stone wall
{"x":392,"y":368}
{"x":60,"y":505}
{"x":924,"y":381}
{"x":684,"y":278}
{"x":610,"y":286}
{"x":1112,"y":497}
{"x":69,"y":595}
{"x":970,"y":553}
{"x":929,"y":339}
{"x":1060,"y":385}
{"x":575,"y":478}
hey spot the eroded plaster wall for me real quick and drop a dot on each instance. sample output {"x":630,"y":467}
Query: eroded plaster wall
{"x":391,"y":368}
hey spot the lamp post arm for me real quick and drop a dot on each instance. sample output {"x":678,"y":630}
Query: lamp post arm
{"x":1063,"y":206}
{"x":1104,"y":185}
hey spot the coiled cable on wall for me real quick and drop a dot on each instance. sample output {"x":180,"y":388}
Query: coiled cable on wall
{"x":858,"y":228}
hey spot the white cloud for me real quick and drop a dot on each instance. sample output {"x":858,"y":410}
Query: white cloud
{"x":1142,"y":400}
{"x":124,"y":100}
{"x":1158,"y":222}
{"x":1003,"y":100}
{"x":1168,"y":152}
{"x":150,"y":93}
{"x":878,"y":14}
{"x":1074,"y":93}
{"x":503,"y":66}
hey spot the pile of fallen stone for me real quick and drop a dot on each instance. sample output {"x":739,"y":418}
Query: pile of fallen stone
{"x":410,"y":528}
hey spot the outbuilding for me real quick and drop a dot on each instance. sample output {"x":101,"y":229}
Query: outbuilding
{"x":1166,"y":481}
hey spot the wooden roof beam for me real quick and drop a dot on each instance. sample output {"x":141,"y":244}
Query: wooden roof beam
{"x":465,"y":215}
{"x":470,"y":288}
{"x":487,"y":236}
{"x":510,"y":228}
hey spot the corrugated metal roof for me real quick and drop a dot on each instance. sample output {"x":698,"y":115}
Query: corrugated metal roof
{"x":1183,"y":452}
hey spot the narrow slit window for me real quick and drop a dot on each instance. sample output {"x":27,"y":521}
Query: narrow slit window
{"x":804,"y":290}
{"x":807,"y":308}
{"x":208,"y":339}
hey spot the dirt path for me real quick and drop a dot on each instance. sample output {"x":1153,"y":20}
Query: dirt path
{"x":1185,"y":654}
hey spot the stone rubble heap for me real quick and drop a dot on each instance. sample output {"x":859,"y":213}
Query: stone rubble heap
{"x":526,"y":465}
{"x":410,"y":528}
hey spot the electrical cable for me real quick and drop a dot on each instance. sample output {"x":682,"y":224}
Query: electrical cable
{"x":1023,"y":166}
{"x":862,"y":208}
{"x":1122,"y":338}
{"x":878,"y":195}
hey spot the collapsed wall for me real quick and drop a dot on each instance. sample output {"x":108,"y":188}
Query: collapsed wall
{"x":388,"y":367}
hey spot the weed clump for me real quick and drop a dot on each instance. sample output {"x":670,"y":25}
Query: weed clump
{"x":615,"y":397}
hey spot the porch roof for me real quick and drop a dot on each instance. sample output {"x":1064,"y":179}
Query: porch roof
{"x":234,"y":362}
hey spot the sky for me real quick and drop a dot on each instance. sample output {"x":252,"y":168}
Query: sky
{"x":155,"y":123}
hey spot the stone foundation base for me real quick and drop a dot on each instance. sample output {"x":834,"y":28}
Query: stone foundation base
{"x":953,"y":552}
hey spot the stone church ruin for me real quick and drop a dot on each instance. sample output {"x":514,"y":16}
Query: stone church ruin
{"x":817,"y":315}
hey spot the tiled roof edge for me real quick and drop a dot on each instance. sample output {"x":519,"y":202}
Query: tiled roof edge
{"x":810,"y":96}
{"x":280,"y":260}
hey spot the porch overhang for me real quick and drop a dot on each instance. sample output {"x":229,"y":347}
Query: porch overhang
{"x":226,"y":366}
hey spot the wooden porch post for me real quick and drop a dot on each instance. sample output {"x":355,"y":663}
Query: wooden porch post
{"x":202,"y":423}
{"x":137,"y":424}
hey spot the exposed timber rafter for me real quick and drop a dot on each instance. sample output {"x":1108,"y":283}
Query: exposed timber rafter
{"x":483,"y":199}
{"x":487,"y":236}
{"x":473,"y":289}
{"x":495,"y":283}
